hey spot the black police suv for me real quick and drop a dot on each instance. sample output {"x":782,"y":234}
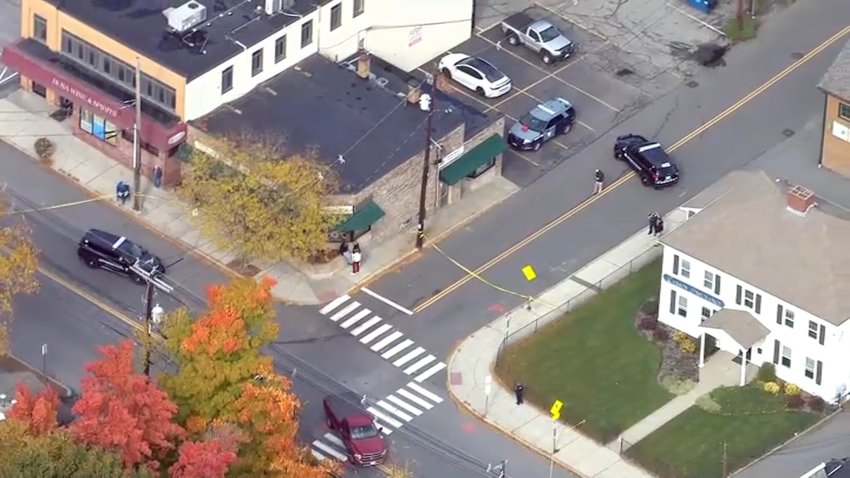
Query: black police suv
{"x":102,"y":250}
{"x":648,"y":159}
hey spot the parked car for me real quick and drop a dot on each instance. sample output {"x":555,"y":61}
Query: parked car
{"x":648,"y":159}
{"x":356,"y":428}
{"x":541,"y":124}
{"x":539,"y":36}
{"x":476,"y":74}
{"x":103,"y":250}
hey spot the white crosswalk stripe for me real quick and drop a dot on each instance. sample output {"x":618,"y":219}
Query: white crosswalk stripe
{"x":334,"y":439}
{"x":425,"y":392}
{"x":345,"y":311}
{"x":395,"y":411}
{"x":413,"y":398}
{"x":381,"y":344}
{"x":326,"y":449}
{"x":334,"y":304}
{"x":401,"y":403}
{"x":355,"y":318}
{"x":423,"y":362}
{"x":410,"y":356}
{"x":318,"y":456}
{"x":396,"y":349}
{"x":375,"y":333}
{"x":430,"y":372}
{"x":365,"y":326}
{"x":384,"y":429}
{"x":384,"y":418}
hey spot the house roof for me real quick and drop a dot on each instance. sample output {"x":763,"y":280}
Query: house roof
{"x":836,"y":81}
{"x":748,"y":233}
{"x":738,"y":324}
{"x":325,"y":107}
{"x":141,"y":26}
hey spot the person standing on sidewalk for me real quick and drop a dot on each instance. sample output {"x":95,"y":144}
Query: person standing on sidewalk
{"x":518,"y":391}
{"x":653,"y":218}
{"x":356,"y":257}
{"x":659,"y":226}
{"x":122,"y":192}
{"x":599,"y":176}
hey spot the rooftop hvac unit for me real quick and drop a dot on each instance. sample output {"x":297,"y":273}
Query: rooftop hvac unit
{"x":185,"y":16}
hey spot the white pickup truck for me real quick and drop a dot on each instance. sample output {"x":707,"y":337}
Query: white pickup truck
{"x":539,"y":36}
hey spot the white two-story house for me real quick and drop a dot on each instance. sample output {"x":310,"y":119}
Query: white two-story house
{"x":764,"y":270}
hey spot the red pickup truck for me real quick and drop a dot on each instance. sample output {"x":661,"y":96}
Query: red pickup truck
{"x":356,"y":428}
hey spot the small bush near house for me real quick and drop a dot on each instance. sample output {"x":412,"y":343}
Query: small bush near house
{"x":708,"y":404}
{"x":648,"y":323}
{"x":791,"y":389}
{"x":686,"y":344}
{"x":660,"y":335}
{"x":772,"y":388}
{"x":767,"y":373}
{"x":795,"y":402}
{"x":677,"y":386}
{"x":816,"y":404}
{"x":44,"y":148}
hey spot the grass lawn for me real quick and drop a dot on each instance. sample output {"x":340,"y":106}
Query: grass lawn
{"x":750,"y":422}
{"x":594,"y":361}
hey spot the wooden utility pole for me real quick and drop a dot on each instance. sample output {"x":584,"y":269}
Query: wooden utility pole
{"x":137,"y":142}
{"x":148,"y":325}
{"x":739,"y":17}
{"x":426,"y":165}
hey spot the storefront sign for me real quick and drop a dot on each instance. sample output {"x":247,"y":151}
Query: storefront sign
{"x":79,"y":95}
{"x":693,"y":290}
{"x":451,"y":157}
{"x":339,"y":210}
{"x":415,"y":36}
{"x":176,"y":138}
{"x":840,"y":131}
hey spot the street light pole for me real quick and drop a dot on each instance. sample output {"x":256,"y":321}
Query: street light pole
{"x":426,"y":166}
{"x":137,"y":142}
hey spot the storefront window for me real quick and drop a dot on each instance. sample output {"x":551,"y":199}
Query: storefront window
{"x":98,"y":127}
{"x":482,"y":169}
{"x":85,"y":121}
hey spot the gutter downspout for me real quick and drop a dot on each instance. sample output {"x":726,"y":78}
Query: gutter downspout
{"x":823,"y":129}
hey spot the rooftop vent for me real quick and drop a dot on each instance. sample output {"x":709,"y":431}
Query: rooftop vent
{"x":800,"y":200}
{"x":185,"y":16}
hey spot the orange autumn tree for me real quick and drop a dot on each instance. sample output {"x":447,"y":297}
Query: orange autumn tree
{"x":208,"y":459}
{"x":123,"y":411}
{"x":39,"y":411}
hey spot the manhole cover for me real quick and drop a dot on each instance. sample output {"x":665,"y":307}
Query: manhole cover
{"x":788,"y":132}
{"x":692,"y":84}
{"x":797,"y":55}
{"x":625,"y":72}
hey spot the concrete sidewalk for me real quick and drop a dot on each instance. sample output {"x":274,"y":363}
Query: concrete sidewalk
{"x":473,"y":361}
{"x":24,"y":117}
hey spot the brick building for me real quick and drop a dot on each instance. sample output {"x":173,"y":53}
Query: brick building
{"x":835,"y":146}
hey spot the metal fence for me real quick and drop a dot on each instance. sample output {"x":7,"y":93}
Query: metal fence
{"x":512,"y":336}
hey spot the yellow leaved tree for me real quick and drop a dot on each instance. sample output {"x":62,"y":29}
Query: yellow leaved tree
{"x":254,"y":197}
{"x":18,"y":266}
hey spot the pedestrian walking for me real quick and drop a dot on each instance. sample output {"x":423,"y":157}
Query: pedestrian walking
{"x":345,"y":252}
{"x":653,"y":218}
{"x":599,"y":176}
{"x":659,"y":226}
{"x":518,"y":391}
{"x":356,"y":257}
{"x":122,"y":192}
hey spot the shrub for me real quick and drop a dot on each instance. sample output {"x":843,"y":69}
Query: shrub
{"x":44,"y":148}
{"x":660,"y":335}
{"x":791,"y":389}
{"x":795,"y":402}
{"x":648,"y":323}
{"x":708,"y":404}
{"x":767,"y":373}
{"x":772,"y":388}
{"x":677,"y":386}
{"x":688,"y":346}
{"x":816,"y":404}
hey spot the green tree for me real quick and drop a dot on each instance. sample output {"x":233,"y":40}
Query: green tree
{"x":256,"y":198}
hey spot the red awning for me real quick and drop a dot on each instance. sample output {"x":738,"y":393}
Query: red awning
{"x":83,"y":94}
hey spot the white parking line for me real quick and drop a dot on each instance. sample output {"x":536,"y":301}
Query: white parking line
{"x":365,"y":325}
{"x":407,"y":358}
{"x":355,"y":318}
{"x":395,"y":411}
{"x":334,"y":304}
{"x":431,"y":371}
{"x":387,"y":301}
{"x":396,"y":349}
{"x":386,"y":341}
{"x":375,"y":333}
{"x":345,"y":311}
{"x":391,"y":421}
{"x":425,"y":393}
{"x":413,"y":398}
{"x":330,"y":450}
{"x":425,"y":361}
{"x":401,"y":403}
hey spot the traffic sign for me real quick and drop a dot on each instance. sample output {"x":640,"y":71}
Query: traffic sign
{"x":556,"y":409}
{"x":529,"y":273}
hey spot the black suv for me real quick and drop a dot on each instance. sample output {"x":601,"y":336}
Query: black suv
{"x":648,"y":159}
{"x":100,"y":249}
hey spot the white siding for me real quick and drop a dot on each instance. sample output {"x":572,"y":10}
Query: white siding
{"x":343,"y":42}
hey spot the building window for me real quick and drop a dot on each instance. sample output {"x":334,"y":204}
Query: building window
{"x":257,"y":62}
{"x":280,"y":49}
{"x":844,"y":111}
{"x":706,"y":314}
{"x":785,"y":359}
{"x":482,"y":169}
{"x":810,"y":368}
{"x":708,"y":281}
{"x":784,"y":316}
{"x":682,"y":309}
{"x":814,"y":370}
{"x":306,"y":33}
{"x":817,"y":332}
{"x":39,"y":28}
{"x":748,"y":299}
{"x":686,"y":269}
{"x":227,"y":79}
{"x":98,"y":127}
{"x":336,"y":16}
{"x":359,"y":7}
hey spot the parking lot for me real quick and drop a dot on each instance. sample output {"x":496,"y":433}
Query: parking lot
{"x":600,"y":98}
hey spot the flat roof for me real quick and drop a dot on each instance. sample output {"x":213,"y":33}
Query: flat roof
{"x":748,"y":233}
{"x":141,"y":26}
{"x":836,"y":80}
{"x":325,"y":107}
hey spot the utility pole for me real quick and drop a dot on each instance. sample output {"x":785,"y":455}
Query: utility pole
{"x":426,"y":166}
{"x":137,"y":142}
{"x":725,"y":462}
{"x":739,"y":16}
{"x":152,"y":311}
{"x":148,"y":319}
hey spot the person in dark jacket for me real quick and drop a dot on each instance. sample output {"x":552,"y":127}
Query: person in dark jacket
{"x":599,"y":177}
{"x":518,"y":391}
{"x":122,"y":192}
{"x":653,"y":219}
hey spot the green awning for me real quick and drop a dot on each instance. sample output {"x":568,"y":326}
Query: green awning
{"x":362,"y":218}
{"x":475,"y":157}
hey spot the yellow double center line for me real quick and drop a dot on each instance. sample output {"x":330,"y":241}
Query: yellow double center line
{"x":587,"y":202}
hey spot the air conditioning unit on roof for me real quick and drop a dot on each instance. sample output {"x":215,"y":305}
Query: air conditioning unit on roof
{"x":185,"y":16}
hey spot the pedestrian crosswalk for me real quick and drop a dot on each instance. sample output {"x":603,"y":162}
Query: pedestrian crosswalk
{"x":391,"y":413}
{"x":382,"y":338}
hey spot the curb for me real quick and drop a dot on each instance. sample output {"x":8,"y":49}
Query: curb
{"x":39,"y":374}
